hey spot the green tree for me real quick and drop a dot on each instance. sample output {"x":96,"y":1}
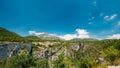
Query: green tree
{"x":59,"y":62}
{"x":20,"y":61}
{"x":110,"y":54}
{"x":42,"y":63}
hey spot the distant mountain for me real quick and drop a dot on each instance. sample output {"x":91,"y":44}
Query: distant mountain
{"x":32,"y":38}
{"x":83,"y":40}
{"x":6,"y":35}
{"x":46,"y":36}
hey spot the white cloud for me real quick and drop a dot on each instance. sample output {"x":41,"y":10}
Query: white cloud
{"x":83,"y":36}
{"x":114,"y":36}
{"x":80,"y":33}
{"x":35,"y":33}
{"x":32,"y":32}
{"x":108,"y":18}
{"x":68,"y":36}
{"x":113,"y":16}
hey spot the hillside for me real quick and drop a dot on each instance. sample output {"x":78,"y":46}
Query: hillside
{"x":6,"y":35}
{"x":32,"y":38}
{"x":83,"y":40}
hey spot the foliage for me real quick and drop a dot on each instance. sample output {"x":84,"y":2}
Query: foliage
{"x":93,"y":50}
{"x":86,"y":40}
{"x":2,"y":62}
{"x":86,"y":62}
{"x":58,"y":63}
{"x":32,"y":38}
{"x":111,"y":54}
{"x":68,"y":63}
{"x":6,"y":35}
{"x":42,"y":63}
{"x":83,"y":62}
{"x":20,"y":61}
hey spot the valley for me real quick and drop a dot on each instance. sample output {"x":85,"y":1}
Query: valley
{"x":35,"y":52}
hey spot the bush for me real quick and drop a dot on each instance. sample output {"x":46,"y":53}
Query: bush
{"x":42,"y":63}
{"x":58,"y":63}
{"x":20,"y":61}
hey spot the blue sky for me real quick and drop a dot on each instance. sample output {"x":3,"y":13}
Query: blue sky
{"x":99,"y":18}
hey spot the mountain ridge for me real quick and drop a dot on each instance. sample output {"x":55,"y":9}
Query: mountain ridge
{"x":6,"y":35}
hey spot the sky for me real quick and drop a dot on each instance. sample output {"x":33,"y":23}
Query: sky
{"x":67,"y":19}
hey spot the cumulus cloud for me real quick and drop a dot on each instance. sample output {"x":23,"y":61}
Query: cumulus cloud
{"x":80,"y":33}
{"x":114,"y":36}
{"x":35,"y":33}
{"x":68,"y":36}
{"x":108,"y":18}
